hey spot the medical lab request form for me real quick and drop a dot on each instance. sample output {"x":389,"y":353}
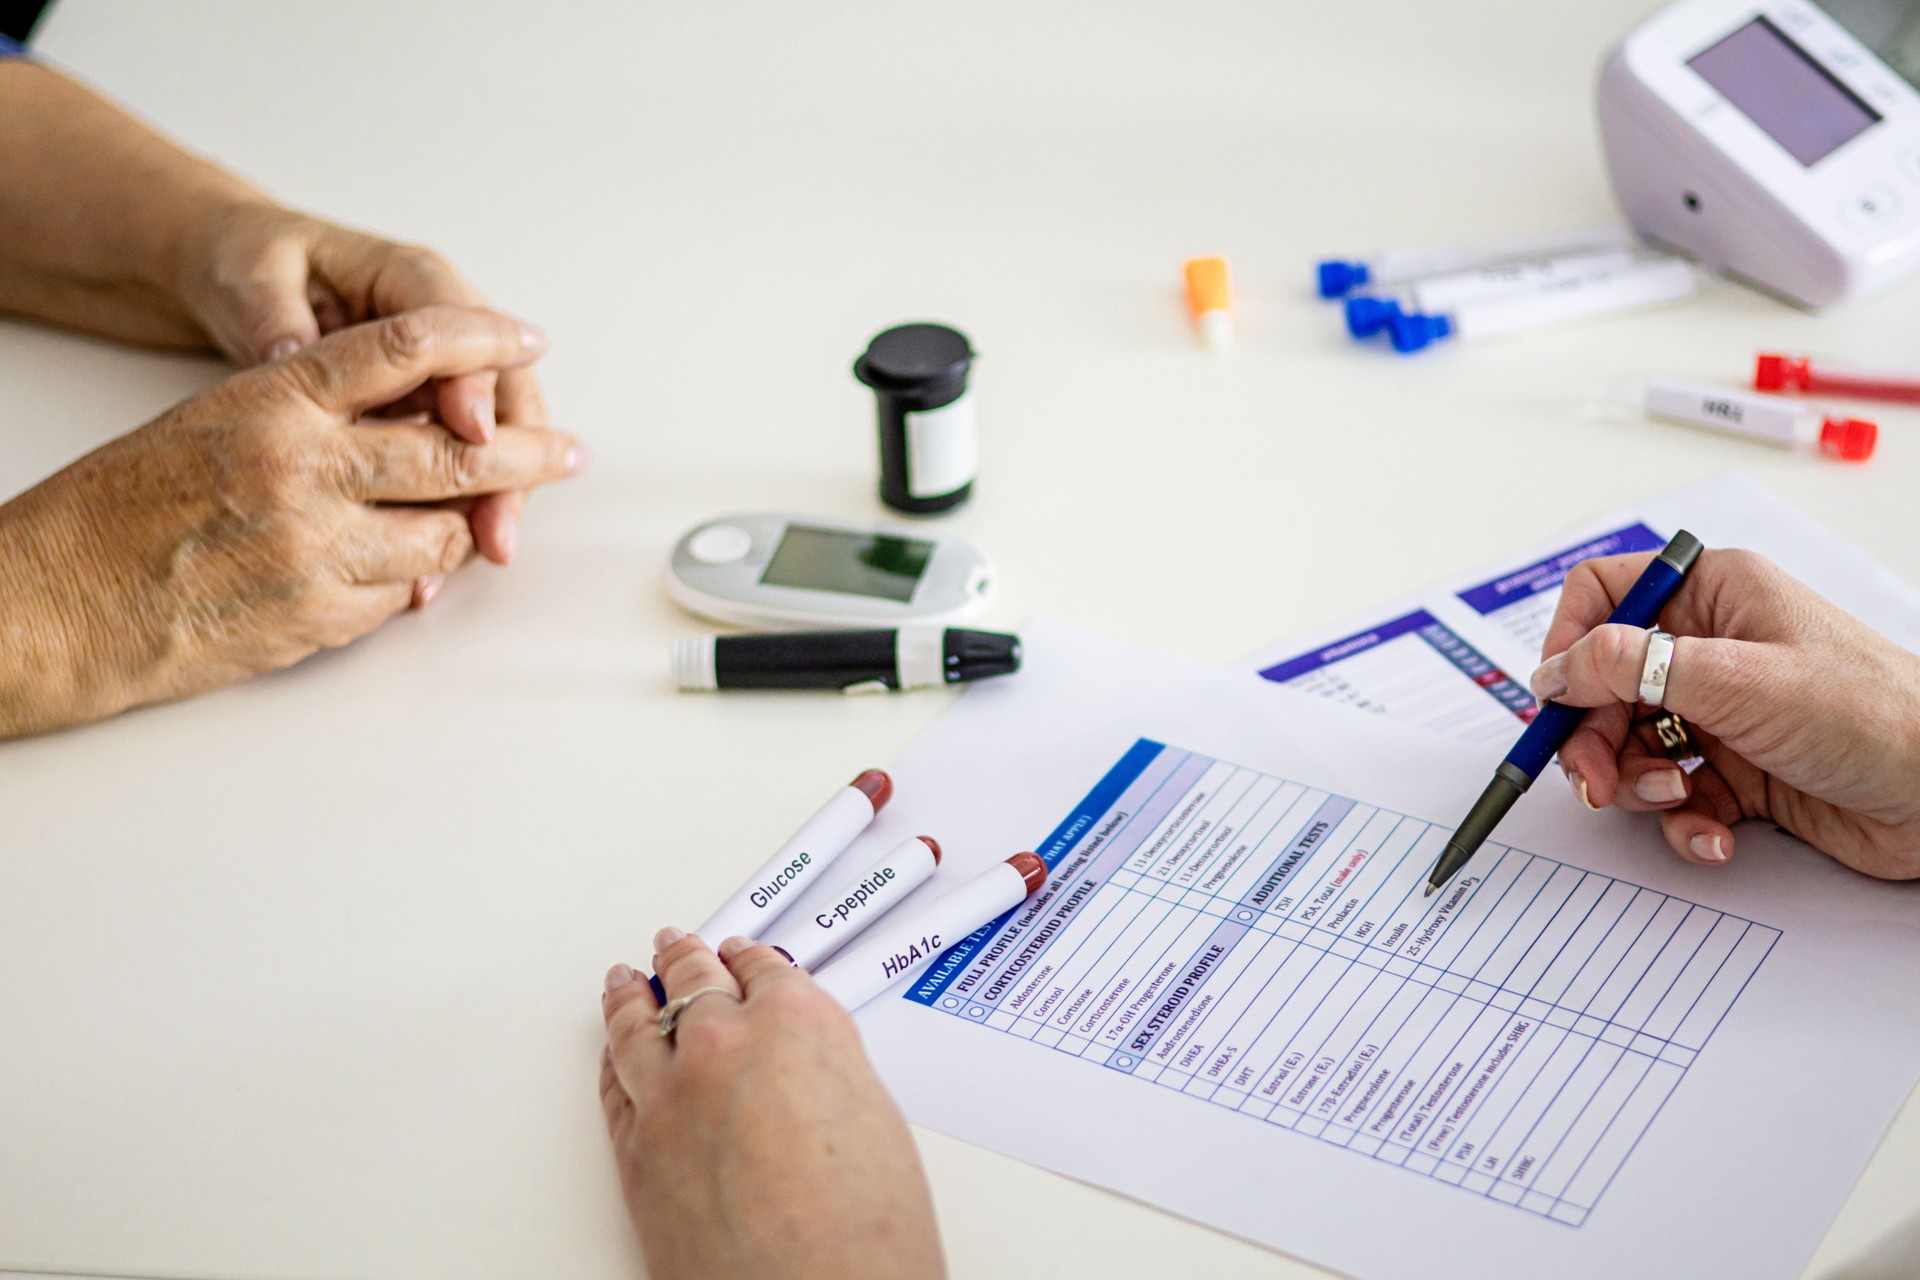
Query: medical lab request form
{"x":1232,"y":1000}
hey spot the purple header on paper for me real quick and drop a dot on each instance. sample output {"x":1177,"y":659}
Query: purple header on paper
{"x":1545,"y":575}
{"x":1294,"y":668}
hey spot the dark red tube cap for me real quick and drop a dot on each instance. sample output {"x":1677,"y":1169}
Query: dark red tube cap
{"x":1780,"y":373}
{"x":933,"y":847}
{"x":1031,"y":869}
{"x":876,"y":786}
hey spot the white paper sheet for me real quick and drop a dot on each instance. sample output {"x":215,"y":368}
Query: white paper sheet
{"x":1733,"y":1041}
{"x":1455,"y":657}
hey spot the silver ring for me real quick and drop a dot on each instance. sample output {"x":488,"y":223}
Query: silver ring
{"x":1653,"y":676}
{"x":671,"y":1011}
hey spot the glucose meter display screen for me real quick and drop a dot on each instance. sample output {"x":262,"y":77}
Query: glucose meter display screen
{"x":1774,"y":82}
{"x":856,"y":564}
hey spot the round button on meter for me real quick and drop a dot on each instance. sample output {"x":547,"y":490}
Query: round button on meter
{"x":722,"y":544}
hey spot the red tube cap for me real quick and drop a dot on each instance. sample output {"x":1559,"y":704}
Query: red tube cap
{"x":933,"y":847}
{"x":1031,"y":869}
{"x":1850,"y":438}
{"x":876,"y":786}
{"x":1780,"y":373}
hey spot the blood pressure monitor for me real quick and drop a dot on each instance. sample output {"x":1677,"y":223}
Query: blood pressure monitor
{"x":1772,"y":140}
{"x":769,"y":570}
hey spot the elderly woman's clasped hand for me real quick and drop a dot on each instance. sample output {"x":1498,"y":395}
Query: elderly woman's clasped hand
{"x":256,"y":522}
{"x":263,"y":282}
{"x":387,"y":431}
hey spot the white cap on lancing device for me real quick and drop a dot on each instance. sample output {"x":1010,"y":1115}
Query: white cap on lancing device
{"x":693,"y":666}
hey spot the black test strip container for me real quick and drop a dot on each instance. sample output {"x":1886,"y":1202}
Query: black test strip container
{"x":928,"y":449}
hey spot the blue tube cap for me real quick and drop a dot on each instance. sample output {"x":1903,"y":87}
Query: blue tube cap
{"x":1412,"y":331}
{"x":1367,"y":315}
{"x":1338,"y":278}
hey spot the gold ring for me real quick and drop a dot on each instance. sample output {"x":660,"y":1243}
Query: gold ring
{"x":1676,"y":743}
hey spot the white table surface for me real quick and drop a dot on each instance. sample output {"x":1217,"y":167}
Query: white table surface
{"x":302,"y":977}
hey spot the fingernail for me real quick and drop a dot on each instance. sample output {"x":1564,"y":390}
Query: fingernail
{"x":619,"y":976}
{"x":733,"y":947}
{"x":666,"y":938}
{"x":1580,"y":789}
{"x":531,"y":338}
{"x":606,"y":1056}
{"x":509,"y":538}
{"x":282,"y":349}
{"x":1707,"y":848}
{"x":1549,"y":679}
{"x":426,"y":589}
{"x":483,"y":419}
{"x":1662,"y":786}
{"x":579,"y":458}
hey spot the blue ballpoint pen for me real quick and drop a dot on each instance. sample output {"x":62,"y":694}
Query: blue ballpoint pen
{"x":1556,"y":722}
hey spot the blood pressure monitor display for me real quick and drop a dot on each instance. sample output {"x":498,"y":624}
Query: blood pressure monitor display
{"x":1795,"y":100}
{"x":886,"y":568}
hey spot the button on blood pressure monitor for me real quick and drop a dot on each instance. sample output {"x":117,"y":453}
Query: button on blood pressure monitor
{"x":1771,"y":140}
{"x":720,"y":544}
{"x":1871,"y":207}
{"x":772,"y":570}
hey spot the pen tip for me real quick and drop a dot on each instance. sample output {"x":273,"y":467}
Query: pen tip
{"x":1428,"y":891}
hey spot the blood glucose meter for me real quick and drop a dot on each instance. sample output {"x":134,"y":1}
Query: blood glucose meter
{"x":770,"y":570}
{"x":1770,"y":140}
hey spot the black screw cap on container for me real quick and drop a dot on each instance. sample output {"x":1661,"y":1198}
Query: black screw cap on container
{"x":928,"y":451}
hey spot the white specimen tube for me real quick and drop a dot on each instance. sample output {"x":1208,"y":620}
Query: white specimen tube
{"x":1369,"y":313}
{"x":800,"y":861}
{"x":1444,"y":293}
{"x":910,"y":942}
{"x":1602,"y":292}
{"x":1771,"y":418}
{"x":808,"y":940}
{"x":1398,"y":266}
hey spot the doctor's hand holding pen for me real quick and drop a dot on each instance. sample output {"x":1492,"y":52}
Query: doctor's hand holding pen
{"x":1804,"y":716}
{"x":753,"y":1138}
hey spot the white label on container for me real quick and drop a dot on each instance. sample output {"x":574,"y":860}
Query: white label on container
{"x":1741,"y":412}
{"x":942,"y":453}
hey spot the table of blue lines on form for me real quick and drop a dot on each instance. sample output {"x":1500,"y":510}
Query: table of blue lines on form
{"x":1264,"y":946}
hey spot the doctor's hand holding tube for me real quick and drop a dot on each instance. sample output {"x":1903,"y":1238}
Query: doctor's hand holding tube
{"x":1805,"y":717}
{"x":753,"y":1137}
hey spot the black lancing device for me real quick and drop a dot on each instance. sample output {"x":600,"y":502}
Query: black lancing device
{"x":849,"y":661}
